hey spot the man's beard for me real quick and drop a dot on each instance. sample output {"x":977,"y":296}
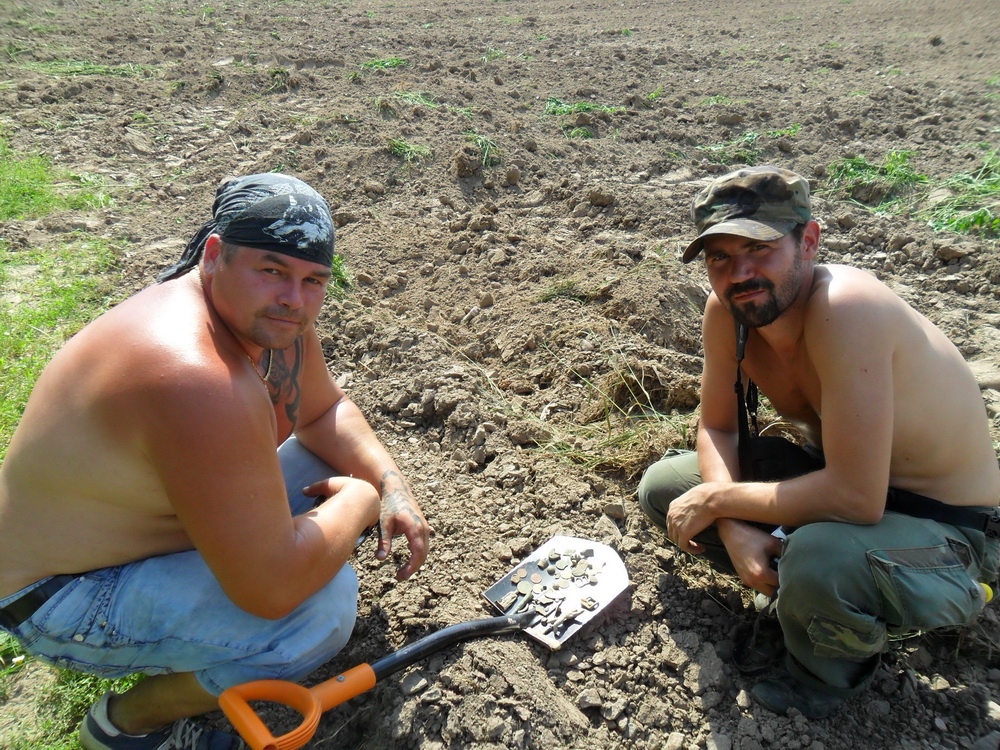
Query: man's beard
{"x":758,"y":315}
{"x":753,"y":315}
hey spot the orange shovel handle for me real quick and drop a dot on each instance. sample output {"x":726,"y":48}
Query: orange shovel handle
{"x":309,"y":702}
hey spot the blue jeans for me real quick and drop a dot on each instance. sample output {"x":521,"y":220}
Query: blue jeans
{"x":168,"y":614}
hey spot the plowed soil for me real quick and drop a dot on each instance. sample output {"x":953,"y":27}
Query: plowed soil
{"x":521,"y":333}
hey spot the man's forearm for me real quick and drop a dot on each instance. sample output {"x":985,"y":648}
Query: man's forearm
{"x":343,"y":438}
{"x":794,"y":502}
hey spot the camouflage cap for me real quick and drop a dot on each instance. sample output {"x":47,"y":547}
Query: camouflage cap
{"x":762,"y":203}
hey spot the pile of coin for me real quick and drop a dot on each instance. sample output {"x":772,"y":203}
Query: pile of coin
{"x":544,"y":585}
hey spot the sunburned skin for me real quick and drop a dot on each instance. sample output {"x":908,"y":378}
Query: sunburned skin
{"x":151,"y":432}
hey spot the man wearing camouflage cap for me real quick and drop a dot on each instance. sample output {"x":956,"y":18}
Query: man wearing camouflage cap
{"x":890,"y":509}
{"x":188,"y":481}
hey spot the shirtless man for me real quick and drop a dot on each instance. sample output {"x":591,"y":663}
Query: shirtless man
{"x":894,"y":418}
{"x":147,"y":521}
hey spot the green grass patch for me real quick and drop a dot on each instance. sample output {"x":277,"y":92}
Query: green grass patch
{"x":554,"y":106}
{"x":891,"y":183}
{"x":993,"y":82}
{"x":48,"y":295}
{"x":72,"y":68}
{"x":487,"y":147}
{"x":973,"y":204}
{"x":492,"y":54}
{"x":60,"y":711}
{"x":582,"y":132}
{"x":967,"y":203}
{"x":418,"y":98}
{"x":741,"y":150}
{"x":720,"y":100}
{"x":407,"y":151}
{"x":29,"y":187}
{"x":784,"y":132}
{"x":385,"y":63}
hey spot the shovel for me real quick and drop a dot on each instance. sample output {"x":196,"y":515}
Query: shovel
{"x":551,"y":594}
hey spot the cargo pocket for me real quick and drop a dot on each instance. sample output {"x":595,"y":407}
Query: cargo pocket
{"x":926,"y":587}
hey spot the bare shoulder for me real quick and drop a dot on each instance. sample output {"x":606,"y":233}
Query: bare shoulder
{"x":845,"y":296}
{"x":159,"y":354}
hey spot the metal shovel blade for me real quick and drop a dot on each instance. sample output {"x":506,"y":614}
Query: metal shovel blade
{"x":567,"y":581}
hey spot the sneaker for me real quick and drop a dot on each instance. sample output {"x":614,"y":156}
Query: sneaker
{"x":782,"y":692}
{"x":98,"y":733}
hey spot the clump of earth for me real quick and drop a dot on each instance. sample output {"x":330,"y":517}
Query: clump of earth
{"x":519,"y":304}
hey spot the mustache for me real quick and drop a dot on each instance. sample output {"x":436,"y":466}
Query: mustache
{"x":751,"y":285}
{"x":282,"y":314}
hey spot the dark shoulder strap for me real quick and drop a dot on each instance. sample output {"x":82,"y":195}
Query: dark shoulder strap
{"x":746,"y":406}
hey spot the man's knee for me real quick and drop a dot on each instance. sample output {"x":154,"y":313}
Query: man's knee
{"x":826,"y":592}
{"x":665,"y":481}
{"x":292,"y":647}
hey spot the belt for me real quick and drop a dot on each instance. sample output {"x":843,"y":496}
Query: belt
{"x":27,"y":604}
{"x":912,"y":504}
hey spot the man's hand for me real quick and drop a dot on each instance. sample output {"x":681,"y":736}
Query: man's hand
{"x":401,"y":515}
{"x":751,"y":550}
{"x":690,"y":514}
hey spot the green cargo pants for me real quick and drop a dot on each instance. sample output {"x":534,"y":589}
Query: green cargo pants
{"x":844,"y":588}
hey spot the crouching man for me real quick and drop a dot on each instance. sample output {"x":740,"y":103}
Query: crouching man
{"x":188,"y":481}
{"x":890,"y":510}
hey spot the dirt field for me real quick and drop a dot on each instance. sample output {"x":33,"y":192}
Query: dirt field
{"x":517,"y":285}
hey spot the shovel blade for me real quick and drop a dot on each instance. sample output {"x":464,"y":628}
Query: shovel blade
{"x":566,"y":575}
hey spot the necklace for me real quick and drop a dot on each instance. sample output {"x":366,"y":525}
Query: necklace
{"x":267,"y":371}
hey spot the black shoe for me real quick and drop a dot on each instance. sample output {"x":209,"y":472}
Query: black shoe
{"x":782,"y":692}
{"x":760,"y":645}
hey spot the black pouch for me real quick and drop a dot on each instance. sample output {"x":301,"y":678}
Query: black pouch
{"x":775,"y":458}
{"x":770,"y":458}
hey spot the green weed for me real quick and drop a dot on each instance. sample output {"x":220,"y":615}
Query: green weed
{"x":974,"y":203}
{"x":789,"y":131}
{"x":555,"y":106}
{"x":875,"y":184}
{"x":493,"y":54}
{"x":385,"y":63}
{"x":85,"y":68}
{"x":720,"y":100}
{"x":582,"y":132}
{"x":487,"y":147}
{"x":61,"y":710}
{"x":12,"y":658}
{"x":418,"y":98}
{"x":993,"y":83}
{"x":742,"y":150}
{"x":280,"y":80}
{"x":409,"y":152}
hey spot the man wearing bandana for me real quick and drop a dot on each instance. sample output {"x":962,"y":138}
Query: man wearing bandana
{"x":188,"y":481}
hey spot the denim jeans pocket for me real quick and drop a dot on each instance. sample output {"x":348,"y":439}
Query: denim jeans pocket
{"x":72,"y":625}
{"x":923,"y":588}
